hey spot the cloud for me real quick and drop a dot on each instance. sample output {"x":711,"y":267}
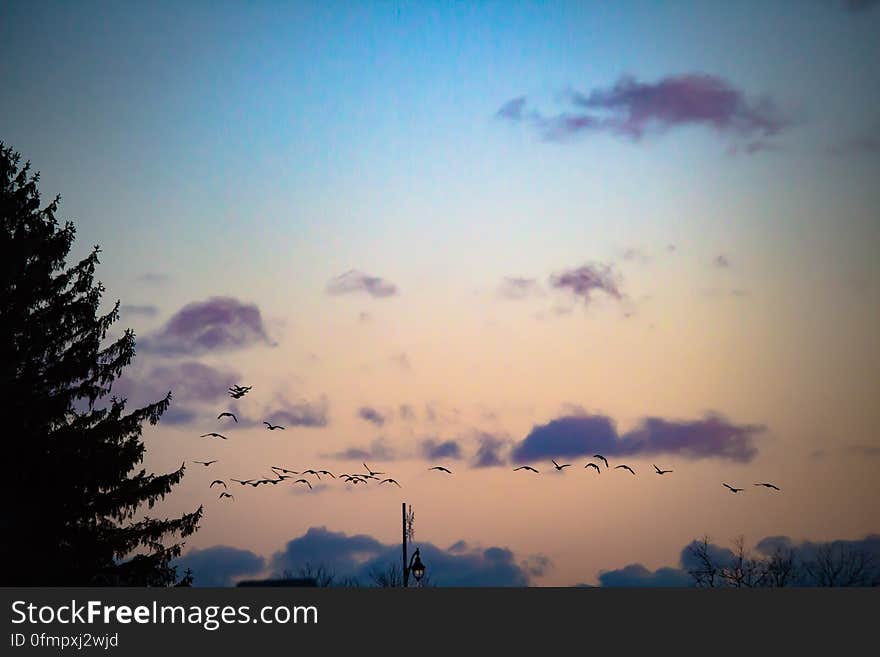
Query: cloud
{"x":585,"y":435}
{"x":219,"y":565}
{"x":536,"y":565}
{"x":518,"y":288}
{"x":432,"y":449}
{"x":143,"y":311}
{"x":585,"y":280}
{"x":359,"y":555}
{"x":637,"y":575}
{"x":721,"y":261}
{"x":378,"y":450}
{"x":218,"y":324}
{"x":631,"y":109}
{"x":371,"y":415}
{"x":300,"y":414}
{"x":406,"y":412}
{"x":488,"y":453}
{"x":355,"y":281}
{"x":190,"y":382}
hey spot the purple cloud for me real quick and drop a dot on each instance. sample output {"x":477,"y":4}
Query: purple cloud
{"x":585,"y":280}
{"x":585,"y":435}
{"x":489,"y":451}
{"x":355,"y":281}
{"x":218,"y":324}
{"x":301,"y":414}
{"x":371,"y":415}
{"x":378,"y":450}
{"x":517,"y":288}
{"x":631,"y":108}
{"x":432,"y":449}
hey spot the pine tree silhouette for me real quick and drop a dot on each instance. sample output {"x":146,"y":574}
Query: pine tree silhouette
{"x":71,"y":492}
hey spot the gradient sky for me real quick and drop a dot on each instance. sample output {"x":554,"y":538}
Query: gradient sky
{"x":686,"y":255}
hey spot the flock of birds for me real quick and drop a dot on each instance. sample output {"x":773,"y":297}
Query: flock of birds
{"x":280,"y":474}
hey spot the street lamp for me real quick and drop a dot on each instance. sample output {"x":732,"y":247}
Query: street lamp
{"x":417,"y":568}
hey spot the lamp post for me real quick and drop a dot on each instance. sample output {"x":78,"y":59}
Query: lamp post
{"x":415,"y":567}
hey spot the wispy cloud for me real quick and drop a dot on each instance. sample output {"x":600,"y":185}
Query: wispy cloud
{"x":632,"y":109}
{"x":432,"y":449}
{"x":489,"y":451}
{"x":371,"y":415}
{"x":585,"y":280}
{"x":217,"y":324}
{"x":516,"y":288}
{"x":300,"y":414}
{"x":354,"y":281}
{"x":378,"y":450}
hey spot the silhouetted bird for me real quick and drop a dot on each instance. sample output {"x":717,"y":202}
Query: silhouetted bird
{"x":659,"y":471}
{"x":225,"y":494}
{"x":768,"y":486}
{"x":304,"y":481}
{"x":372,"y":474}
{"x":366,"y":476}
{"x":237,"y":391}
{"x":239,"y":481}
{"x":625,"y":467}
{"x":390,"y":481}
{"x":593,"y":465}
{"x":272,"y":427}
{"x":732,"y":489}
{"x":213,"y":435}
{"x":232,"y":415}
{"x":285,"y":470}
{"x":310,"y":472}
{"x":218,"y":481}
{"x":525,"y":467}
{"x":205,"y":463}
{"x":441,"y":469}
{"x":559,"y":467}
{"x":326,"y":472}
{"x":602,"y":458}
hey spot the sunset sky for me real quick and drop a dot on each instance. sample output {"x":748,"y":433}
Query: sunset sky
{"x":481,"y":235}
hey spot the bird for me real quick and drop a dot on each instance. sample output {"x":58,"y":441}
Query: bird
{"x":232,"y":415}
{"x":213,"y":435}
{"x":441,"y":469}
{"x":285,"y":470}
{"x":218,"y":481}
{"x":225,"y":494}
{"x":765,"y":485}
{"x":205,"y":463}
{"x":372,"y":474}
{"x":390,"y":481}
{"x":625,"y":467}
{"x":272,"y":427}
{"x":559,"y":467}
{"x":732,"y":489}
{"x":326,"y":472}
{"x":237,"y":391}
{"x":602,"y":458}
{"x":525,"y":467}
{"x":593,"y":465}
{"x":311,"y":472}
{"x":303,"y":481}
{"x":659,"y":471}
{"x":366,"y":476}
{"x":239,"y":481}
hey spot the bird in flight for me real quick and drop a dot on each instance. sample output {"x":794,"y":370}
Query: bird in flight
{"x":354,"y":480}
{"x":390,"y":481}
{"x":625,"y":467}
{"x":593,"y":465}
{"x":372,"y":474}
{"x":285,"y":470}
{"x":441,"y":469}
{"x":205,"y":463}
{"x":559,"y":467}
{"x":237,"y":391}
{"x":766,"y":485}
{"x":218,"y":481}
{"x":304,"y":481}
{"x":525,"y":467}
{"x":239,"y":481}
{"x":272,"y":427}
{"x":232,"y":415}
{"x":602,"y":458}
{"x":326,"y":472}
{"x":732,"y":489}
{"x":225,"y":494}
{"x":213,"y":435}
{"x":366,"y":476}
{"x":311,"y":472}
{"x":659,"y":471}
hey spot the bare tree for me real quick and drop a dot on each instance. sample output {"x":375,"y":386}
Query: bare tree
{"x":706,"y":572}
{"x":390,"y":577}
{"x":743,"y":570}
{"x":839,"y":564}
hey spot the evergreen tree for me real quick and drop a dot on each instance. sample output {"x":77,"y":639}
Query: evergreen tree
{"x":72,"y":492}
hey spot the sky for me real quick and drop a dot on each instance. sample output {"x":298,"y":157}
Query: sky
{"x":481,"y":235}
